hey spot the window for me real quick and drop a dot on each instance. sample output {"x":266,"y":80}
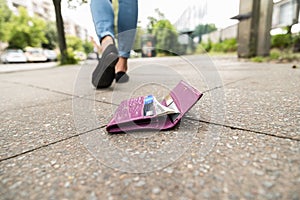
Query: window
{"x":286,"y":14}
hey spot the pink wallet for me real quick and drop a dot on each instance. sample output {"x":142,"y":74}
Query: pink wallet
{"x":145,"y":113}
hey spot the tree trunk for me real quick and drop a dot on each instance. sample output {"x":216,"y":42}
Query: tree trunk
{"x":60,"y":32}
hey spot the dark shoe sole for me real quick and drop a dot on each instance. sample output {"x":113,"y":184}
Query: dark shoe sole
{"x":104,"y":73}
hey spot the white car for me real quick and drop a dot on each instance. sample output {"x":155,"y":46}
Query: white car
{"x":35,"y":55}
{"x":13,"y":56}
{"x":50,"y":54}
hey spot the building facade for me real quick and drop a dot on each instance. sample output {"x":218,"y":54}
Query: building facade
{"x":45,"y":10}
{"x":284,"y":14}
{"x":41,"y":8}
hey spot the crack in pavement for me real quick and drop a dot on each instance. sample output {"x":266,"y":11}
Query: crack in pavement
{"x":106,"y":102}
{"x":53,"y":91}
{"x":226,"y":84}
{"x":244,"y":129}
{"x":49,"y":144}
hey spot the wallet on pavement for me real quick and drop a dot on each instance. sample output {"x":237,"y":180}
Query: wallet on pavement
{"x":146,"y":113}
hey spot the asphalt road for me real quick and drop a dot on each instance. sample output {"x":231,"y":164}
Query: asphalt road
{"x":13,"y":67}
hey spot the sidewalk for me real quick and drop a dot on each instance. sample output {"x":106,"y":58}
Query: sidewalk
{"x":240,"y":141}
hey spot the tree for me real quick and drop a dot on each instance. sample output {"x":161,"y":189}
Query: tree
{"x":153,"y":20}
{"x":60,"y":28}
{"x":5,"y":18}
{"x":202,"y":29}
{"x":26,"y":30}
{"x":51,"y":36}
{"x":166,"y":37}
{"x":88,"y":46}
{"x":74,"y":43}
{"x":60,"y":32}
{"x":165,"y":34}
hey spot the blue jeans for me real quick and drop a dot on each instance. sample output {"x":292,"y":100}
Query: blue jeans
{"x":103,"y":17}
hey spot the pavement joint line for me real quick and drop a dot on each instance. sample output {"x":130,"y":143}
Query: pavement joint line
{"x":245,"y":129}
{"x":35,"y":105}
{"x":56,"y":91}
{"x":76,"y":135}
{"x":49,"y":144}
{"x":226,"y":84}
{"x":38,"y":87}
{"x":189,"y":118}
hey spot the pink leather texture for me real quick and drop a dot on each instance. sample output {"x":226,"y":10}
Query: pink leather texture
{"x":129,"y":115}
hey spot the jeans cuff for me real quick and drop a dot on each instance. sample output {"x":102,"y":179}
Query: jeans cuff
{"x":124,"y":54}
{"x":106,"y":33}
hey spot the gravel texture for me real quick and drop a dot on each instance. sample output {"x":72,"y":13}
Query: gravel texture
{"x":240,"y":141}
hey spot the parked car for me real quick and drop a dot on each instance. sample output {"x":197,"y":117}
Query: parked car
{"x":79,"y":55}
{"x":50,"y":54}
{"x":35,"y":55}
{"x":13,"y":56}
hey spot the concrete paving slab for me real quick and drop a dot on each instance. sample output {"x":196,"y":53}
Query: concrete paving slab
{"x":32,"y":127}
{"x":280,"y":78}
{"x":233,"y":70}
{"x":244,"y":147}
{"x":16,"y":96}
{"x":120,"y":92}
{"x":241,"y":165}
{"x":266,"y":100}
{"x":59,"y":79}
{"x":271,"y":112}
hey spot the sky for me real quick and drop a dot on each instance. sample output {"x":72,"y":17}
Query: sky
{"x":218,"y":12}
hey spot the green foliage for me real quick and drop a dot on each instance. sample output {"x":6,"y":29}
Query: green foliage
{"x":200,"y":49}
{"x":202,"y":29}
{"x":5,"y":18}
{"x":87,"y":47}
{"x":275,"y":54}
{"x":258,"y":59}
{"x":204,"y":47}
{"x":74,"y":43}
{"x":228,"y":45}
{"x":153,"y":20}
{"x":165,"y":34}
{"x":69,"y":59}
{"x":51,"y":36}
{"x":278,"y":55}
{"x":281,"y":41}
{"x":296,"y":43}
{"x":26,"y":30}
{"x":166,"y":37}
{"x":218,"y":47}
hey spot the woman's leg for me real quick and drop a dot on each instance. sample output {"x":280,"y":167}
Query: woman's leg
{"x":127,"y":23}
{"x":103,"y":17}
